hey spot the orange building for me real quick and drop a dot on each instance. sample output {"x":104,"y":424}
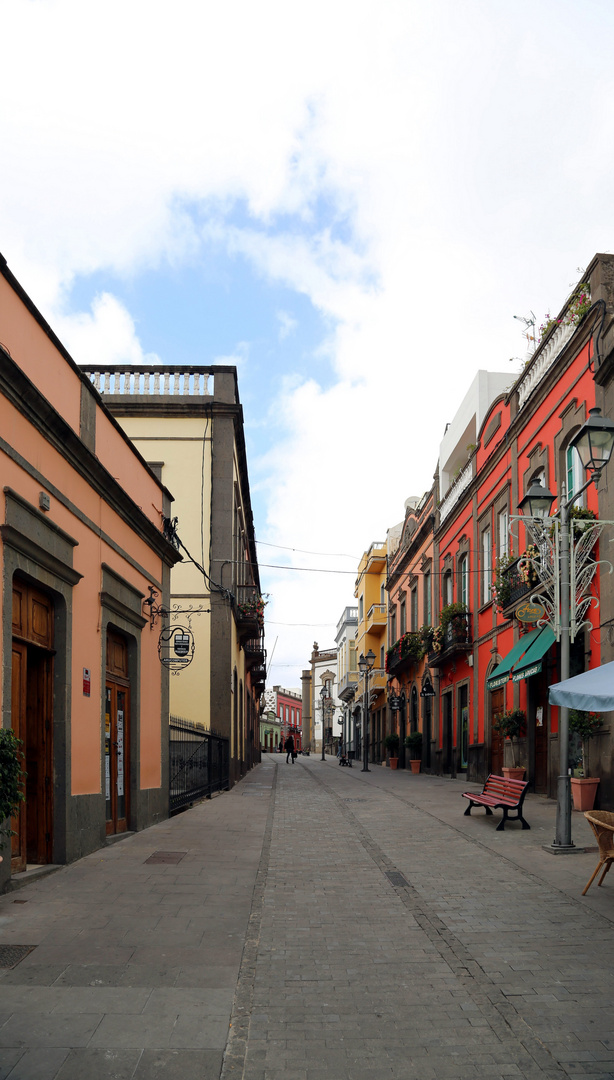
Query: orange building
{"x":82,"y":543}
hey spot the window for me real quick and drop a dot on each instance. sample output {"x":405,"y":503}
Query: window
{"x":382,"y":594}
{"x":353,"y":656}
{"x":574,"y":474}
{"x":413,"y":610}
{"x":393,"y":624}
{"x":502,"y":525}
{"x":463,"y":580}
{"x":486,"y":566}
{"x":402,"y":618}
{"x":360,"y":609}
{"x":428,"y":615}
{"x":382,"y":657}
{"x":446,"y":590}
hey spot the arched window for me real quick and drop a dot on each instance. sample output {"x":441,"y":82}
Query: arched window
{"x":414,"y":709}
{"x":463,"y":580}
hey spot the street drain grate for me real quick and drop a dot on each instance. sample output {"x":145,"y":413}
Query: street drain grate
{"x":355,"y":800}
{"x":11,"y":955}
{"x":396,"y":878}
{"x":172,"y":857}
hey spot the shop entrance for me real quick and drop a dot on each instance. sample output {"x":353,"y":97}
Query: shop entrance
{"x":32,"y":722}
{"x":117,"y":736}
{"x":497,"y":706}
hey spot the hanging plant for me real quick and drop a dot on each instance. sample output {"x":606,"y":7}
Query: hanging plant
{"x":12,"y":778}
{"x":503,"y":583}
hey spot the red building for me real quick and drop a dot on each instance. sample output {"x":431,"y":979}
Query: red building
{"x":288,"y":708}
{"x":489,"y":656}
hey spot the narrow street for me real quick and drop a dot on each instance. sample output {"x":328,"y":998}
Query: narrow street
{"x":316,"y":923}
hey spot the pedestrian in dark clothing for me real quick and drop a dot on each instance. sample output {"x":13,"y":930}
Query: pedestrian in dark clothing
{"x":289,"y":748}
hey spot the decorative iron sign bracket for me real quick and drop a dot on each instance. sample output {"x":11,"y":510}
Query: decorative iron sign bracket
{"x":176,"y":645}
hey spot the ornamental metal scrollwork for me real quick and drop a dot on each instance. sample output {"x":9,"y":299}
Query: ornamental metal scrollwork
{"x":176,"y":643}
{"x":541,"y":561}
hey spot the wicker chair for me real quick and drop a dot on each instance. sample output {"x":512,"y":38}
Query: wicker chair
{"x":602,"y":824}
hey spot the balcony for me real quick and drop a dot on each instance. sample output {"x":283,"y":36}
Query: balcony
{"x":255,"y":653}
{"x":346,"y":687}
{"x":376,"y":619}
{"x":515,"y":586}
{"x":249,"y":611}
{"x":259,"y":674}
{"x":457,"y":638}
{"x":405,"y":652}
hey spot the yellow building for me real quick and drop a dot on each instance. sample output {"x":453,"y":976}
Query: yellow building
{"x":370,"y":592}
{"x":187,"y":424}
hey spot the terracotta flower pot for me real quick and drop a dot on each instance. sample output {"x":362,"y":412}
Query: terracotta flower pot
{"x":513,"y":772}
{"x":415,"y":764}
{"x":394,"y":762}
{"x":583,"y":792}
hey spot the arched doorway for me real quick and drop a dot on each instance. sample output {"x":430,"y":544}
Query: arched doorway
{"x":32,"y":722}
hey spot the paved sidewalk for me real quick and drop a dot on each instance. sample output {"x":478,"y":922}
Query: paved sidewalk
{"x":320,"y":924}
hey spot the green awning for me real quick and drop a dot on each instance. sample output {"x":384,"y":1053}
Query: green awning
{"x":501,"y":674}
{"x":531,"y":662}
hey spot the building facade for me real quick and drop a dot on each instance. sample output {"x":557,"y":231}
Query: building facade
{"x":82,"y":545}
{"x":410,"y":591}
{"x":287,"y":706}
{"x":188,"y":424}
{"x":347,"y":675}
{"x":493,"y":653}
{"x":370,"y":592}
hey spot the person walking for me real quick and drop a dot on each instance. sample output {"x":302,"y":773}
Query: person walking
{"x":289,"y":748}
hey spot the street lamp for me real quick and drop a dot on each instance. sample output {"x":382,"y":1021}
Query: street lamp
{"x":594,"y":443}
{"x":365,"y":663}
{"x":325,"y":697}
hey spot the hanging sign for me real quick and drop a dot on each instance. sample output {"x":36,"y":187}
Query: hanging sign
{"x":427,"y":689}
{"x":530,"y":613}
{"x":176,"y":647}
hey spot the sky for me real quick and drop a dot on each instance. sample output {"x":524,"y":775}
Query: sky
{"x":350,"y":200}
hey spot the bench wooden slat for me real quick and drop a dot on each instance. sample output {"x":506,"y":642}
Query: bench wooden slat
{"x":500,"y":793}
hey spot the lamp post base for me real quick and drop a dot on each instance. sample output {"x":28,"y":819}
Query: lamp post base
{"x":561,"y":849}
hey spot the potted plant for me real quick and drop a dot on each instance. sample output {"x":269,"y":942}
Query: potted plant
{"x":413,"y":743}
{"x":584,"y":788}
{"x":391,"y":742}
{"x":512,"y":724}
{"x":11,"y":780}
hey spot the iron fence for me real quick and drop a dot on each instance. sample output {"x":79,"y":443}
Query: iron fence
{"x":198,"y":763}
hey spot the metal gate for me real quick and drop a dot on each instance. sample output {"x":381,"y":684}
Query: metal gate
{"x":198,"y":763}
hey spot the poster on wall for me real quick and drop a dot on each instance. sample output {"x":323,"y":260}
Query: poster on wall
{"x":120,"y":752}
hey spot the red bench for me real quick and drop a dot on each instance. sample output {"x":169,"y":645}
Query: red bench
{"x":499,"y":793}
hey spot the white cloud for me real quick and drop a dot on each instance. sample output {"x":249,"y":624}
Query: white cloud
{"x":107,"y":335}
{"x":420,"y":172}
{"x":287,"y":325}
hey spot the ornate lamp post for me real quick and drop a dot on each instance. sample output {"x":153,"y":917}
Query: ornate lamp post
{"x":566,"y":577}
{"x":365,"y":663}
{"x":325,"y":698}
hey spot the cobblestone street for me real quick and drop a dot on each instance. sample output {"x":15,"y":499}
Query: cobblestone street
{"x":348,"y":925}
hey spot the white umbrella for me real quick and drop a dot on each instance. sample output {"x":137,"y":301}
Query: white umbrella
{"x":592,"y":691}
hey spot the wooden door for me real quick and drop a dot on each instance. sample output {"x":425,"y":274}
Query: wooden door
{"x":117,"y":736}
{"x":497,"y":706}
{"x":18,"y":724}
{"x":116,"y":743}
{"x":32,"y":721}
